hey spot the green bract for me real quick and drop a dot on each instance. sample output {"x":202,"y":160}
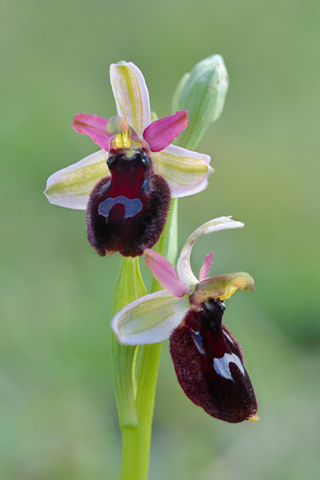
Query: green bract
{"x":202,"y":92}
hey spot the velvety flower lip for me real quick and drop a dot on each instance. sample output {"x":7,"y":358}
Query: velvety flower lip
{"x":186,"y":172}
{"x":135,"y":325}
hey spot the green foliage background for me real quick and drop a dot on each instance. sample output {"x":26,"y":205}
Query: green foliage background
{"x":57,"y":408}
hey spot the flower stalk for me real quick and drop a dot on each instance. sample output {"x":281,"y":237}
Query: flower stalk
{"x":136,"y":439}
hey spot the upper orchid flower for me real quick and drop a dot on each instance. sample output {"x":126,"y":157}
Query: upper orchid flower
{"x":207,"y":359}
{"x":126,"y":187}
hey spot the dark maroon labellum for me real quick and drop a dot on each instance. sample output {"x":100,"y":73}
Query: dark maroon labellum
{"x":127,"y":210}
{"x":210,"y":366}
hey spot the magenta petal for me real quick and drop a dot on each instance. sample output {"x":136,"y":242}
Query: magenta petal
{"x":165,"y":273}
{"x":93,"y":126}
{"x":205,"y":269}
{"x":160,"y":133}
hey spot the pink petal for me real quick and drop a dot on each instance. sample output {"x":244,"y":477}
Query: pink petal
{"x":205,"y":269}
{"x":93,"y":126}
{"x":160,"y":133}
{"x":165,"y":273}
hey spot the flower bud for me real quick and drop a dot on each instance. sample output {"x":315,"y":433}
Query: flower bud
{"x":202,"y":92}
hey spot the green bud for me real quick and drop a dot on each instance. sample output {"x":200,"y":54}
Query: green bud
{"x":202,"y":92}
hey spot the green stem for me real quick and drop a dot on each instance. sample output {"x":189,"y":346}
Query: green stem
{"x":136,"y":440}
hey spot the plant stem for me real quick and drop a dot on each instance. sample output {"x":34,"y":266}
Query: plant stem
{"x":136,"y":440}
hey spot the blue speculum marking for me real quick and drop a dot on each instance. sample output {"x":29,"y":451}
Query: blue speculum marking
{"x":198,"y":341}
{"x":222,"y":365}
{"x":132,"y":206}
{"x":146,"y":186}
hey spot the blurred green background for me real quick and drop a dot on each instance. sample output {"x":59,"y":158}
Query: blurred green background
{"x":57,"y":409}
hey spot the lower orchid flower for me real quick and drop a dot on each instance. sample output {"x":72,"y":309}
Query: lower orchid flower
{"x":207,"y":358}
{"x":126,"y":187}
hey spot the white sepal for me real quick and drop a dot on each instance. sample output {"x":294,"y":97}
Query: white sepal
{"x":71,"y":186}
{"x":150,"y":319}
{"x":131,"y":95}
{"x":186,"y":172}
{"x":183,"y":265}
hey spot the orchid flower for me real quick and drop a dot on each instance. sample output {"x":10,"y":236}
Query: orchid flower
{"x":126,"y":186}
{"x":207,"y":359}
